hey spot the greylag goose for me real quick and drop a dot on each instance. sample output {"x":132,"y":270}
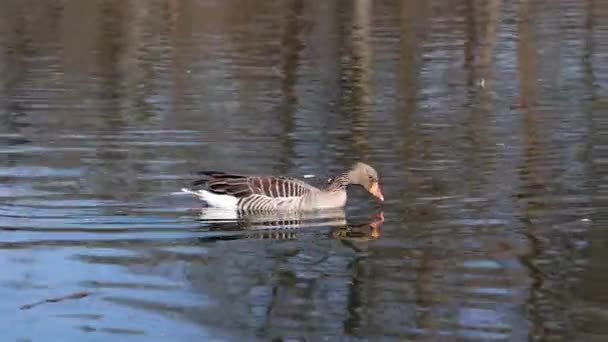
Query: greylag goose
{"x":281,"y":193}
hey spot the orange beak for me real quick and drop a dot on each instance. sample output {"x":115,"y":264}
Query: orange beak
{"x":375,"y":190}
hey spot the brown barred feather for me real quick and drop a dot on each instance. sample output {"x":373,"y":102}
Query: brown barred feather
{"x":244,"y":186}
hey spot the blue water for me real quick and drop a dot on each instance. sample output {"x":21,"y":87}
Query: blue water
{"x":485,"y":121}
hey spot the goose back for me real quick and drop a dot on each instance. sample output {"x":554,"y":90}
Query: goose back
{"x":258,"y":193}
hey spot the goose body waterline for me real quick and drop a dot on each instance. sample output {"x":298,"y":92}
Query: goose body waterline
{"x":281,"y":193}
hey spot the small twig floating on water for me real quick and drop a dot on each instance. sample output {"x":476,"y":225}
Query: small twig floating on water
{"x":76,"y":295}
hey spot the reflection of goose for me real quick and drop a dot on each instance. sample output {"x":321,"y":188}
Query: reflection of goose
{"x":282,"y":220}
{"x":361,"y":232}
{"x":279,"y":193}
{"x":286,"y":225}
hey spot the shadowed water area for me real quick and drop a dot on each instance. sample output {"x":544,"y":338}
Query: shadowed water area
{"x":486,"y":121}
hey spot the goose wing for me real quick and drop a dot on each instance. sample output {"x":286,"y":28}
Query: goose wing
{"x":241,"y":186}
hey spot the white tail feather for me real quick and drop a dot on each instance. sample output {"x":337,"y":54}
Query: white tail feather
{"x":214,"y":200}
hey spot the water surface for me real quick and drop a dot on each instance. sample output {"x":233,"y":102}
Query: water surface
{"x":485,"y":119}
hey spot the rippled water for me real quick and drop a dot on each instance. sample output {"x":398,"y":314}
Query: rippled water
{"x":486,"y":120}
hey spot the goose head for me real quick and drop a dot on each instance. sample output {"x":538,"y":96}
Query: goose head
{"x":365,"y":176}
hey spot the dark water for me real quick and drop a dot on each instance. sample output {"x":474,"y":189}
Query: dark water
{"x":486,"y":120}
